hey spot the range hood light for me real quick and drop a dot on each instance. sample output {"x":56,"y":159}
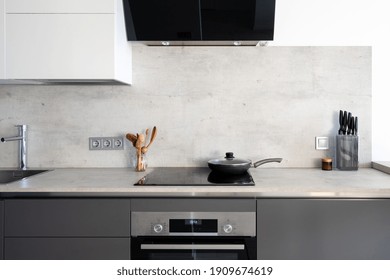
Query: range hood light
{"x":165,"y":43}
{"x":237,"y":43}
{"x":262,"y":44}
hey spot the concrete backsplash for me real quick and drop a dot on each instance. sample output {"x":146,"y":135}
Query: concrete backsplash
{"x":258,"y":102}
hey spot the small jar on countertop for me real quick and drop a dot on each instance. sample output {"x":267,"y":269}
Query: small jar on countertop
{"x":327,"y":164}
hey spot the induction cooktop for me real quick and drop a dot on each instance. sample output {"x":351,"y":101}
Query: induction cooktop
{"x":193,"y":176}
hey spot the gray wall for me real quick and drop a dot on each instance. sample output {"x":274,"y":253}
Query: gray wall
{"x":255,"y":101}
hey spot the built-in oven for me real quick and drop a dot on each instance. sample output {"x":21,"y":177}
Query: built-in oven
{"x":193,"y":235}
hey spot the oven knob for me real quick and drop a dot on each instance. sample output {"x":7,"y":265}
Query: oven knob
{"x":227,"y":228}
{"x":157,"y":228}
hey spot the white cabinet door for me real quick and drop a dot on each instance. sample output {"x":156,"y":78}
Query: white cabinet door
{"x":60,"y":6}
{"x":2,"y":40}
{"x":60,"y":46}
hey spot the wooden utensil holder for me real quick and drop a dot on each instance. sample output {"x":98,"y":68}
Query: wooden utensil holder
{"x":138,"y":142}
{"x":141,"y":162}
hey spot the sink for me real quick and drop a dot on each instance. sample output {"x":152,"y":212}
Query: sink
{"x":12,"y":175}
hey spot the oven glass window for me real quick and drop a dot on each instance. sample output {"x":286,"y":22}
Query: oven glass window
{"x":193,"y":248}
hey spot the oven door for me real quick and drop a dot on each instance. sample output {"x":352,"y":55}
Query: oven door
{"x":193,"y":248}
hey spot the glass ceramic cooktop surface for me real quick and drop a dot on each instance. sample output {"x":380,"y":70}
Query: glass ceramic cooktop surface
{"x":193,"y":176}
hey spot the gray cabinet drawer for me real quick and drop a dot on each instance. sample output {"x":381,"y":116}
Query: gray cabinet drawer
{"x":67,"y":217}
{"x":1,"y":228}
{"x":67,"y":248}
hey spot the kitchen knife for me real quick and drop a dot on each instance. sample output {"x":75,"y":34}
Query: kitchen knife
{"x":345,"y":122}
{"x":341,"y":122}
{"x":349,"y":117}
{"x":348,"y":128}
{"x":351,"y":127}
{"x":356,"y":126}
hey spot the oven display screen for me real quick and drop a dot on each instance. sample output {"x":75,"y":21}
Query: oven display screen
{"x":193,"y":225}
{"x":196,"y":222}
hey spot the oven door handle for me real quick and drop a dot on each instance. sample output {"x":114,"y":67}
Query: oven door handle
{"x":192,"y":247}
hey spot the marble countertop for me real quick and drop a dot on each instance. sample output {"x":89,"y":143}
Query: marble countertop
{"x":270,"y":182}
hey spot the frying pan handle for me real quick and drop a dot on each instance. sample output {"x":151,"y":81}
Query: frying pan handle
{"x":260,"y":162}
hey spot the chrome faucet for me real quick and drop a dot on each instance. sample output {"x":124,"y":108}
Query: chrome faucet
{"x":22,"y":138}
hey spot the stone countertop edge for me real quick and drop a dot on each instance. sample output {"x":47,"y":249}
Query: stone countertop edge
{"x":270,"y":183}
{"x":383,"y":166}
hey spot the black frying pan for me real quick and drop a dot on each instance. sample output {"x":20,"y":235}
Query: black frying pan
{"x":232,"y":165}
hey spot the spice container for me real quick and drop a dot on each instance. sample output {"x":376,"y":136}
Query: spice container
{"x":327,"y":164}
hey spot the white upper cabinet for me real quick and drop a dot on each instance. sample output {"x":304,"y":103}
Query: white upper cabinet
{"x":52,"y":47}
{"x":60,"y":6}
{"x":2,"y":40}
{"x":67,"y":46}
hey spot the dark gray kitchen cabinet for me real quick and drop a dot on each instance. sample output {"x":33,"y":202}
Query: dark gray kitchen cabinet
{"x":323,"y":229}
{"x":67,"y":228}
{"x":44,"y":248}
{"x":1,"y":228}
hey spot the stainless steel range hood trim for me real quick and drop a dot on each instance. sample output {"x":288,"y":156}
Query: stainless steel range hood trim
{"x":202,"y":43}
{"x":78,"y":82}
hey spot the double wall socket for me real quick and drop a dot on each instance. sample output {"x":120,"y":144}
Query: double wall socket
{"x":106,"y":143}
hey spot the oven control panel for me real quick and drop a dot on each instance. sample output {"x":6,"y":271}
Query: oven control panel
{"x":193,"y":223}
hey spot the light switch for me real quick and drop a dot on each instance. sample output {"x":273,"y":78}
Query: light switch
{"x":322,"y":143}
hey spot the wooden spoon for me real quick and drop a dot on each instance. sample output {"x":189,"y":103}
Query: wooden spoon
{"x":154,"y":133}
{"x":140,"y":141}
{"x":132,"y":138}
{"x":146,"y":133}
{"x":144,"y":149}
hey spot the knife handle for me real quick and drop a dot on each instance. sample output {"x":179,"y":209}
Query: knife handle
{"x":345,"y":122}
{"x":356,"y":125}
{"x":351,"y":129}
{"x":341,"y":117}
{"x":341,"y":122}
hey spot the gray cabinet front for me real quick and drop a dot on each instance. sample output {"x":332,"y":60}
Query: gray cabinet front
{"x":37,"y":248}
{"x":67,"y":217}
{"x":67,"y":228}
{"x":1,"y":228}
{"x":323,"y":229}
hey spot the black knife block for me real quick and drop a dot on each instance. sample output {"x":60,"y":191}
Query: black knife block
{"x":347,"y":152}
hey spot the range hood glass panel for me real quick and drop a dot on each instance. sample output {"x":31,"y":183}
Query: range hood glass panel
{"x":165,"y":20}
{"x":237,"y":19}
{"x":202,"y":20}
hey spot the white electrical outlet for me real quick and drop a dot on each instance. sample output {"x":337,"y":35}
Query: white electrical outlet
{"x":95,"y":144}
{"x":118,"y":143}
{"x":322,"y":143}
{"x":106,"y":143}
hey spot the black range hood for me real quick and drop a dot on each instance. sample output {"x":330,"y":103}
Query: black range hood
{"x":199,"y":22}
